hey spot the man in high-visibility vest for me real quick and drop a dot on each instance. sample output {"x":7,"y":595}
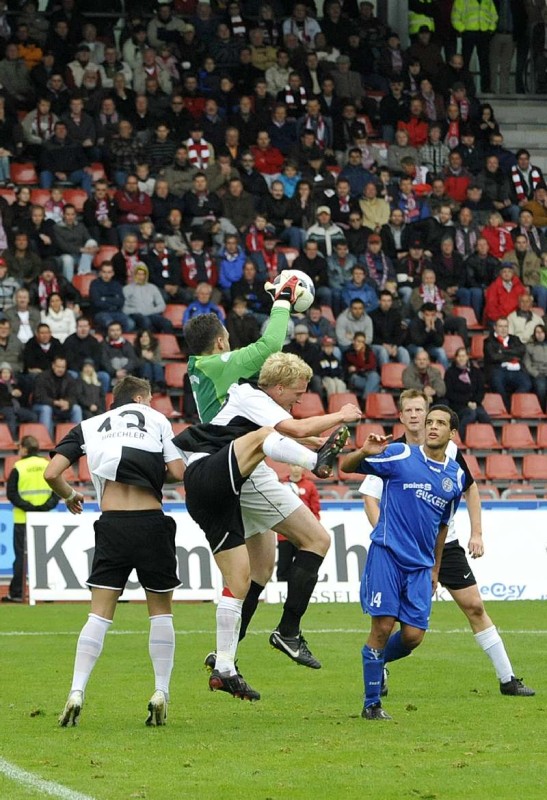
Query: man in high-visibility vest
{"x":420,"y":15}
{"x":476,"y":21}
{"x":26,"y":491}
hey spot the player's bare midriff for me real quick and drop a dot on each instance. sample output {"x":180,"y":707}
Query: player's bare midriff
{"x":123,"y":497}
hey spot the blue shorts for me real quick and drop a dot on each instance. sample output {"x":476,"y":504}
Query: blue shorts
{"x":389,"y":591}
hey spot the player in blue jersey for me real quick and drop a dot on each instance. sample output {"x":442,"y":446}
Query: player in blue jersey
{"x":422,"y":489}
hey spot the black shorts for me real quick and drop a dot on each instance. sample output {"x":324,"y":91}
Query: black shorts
{"x":213,"y":485}
{"x":140,"y":540}
{"x":455,"y":572}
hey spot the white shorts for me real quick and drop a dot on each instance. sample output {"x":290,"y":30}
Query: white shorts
{"x":265,"y":501}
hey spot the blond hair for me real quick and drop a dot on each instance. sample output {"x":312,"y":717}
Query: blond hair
{"x":284,"y":369}
{"x":412,"y":394}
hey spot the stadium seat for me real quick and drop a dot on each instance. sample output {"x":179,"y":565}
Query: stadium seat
{"x":438,"y":367}
{"x":23,"y":174}
{"x":398,"y":430}
{"x":501,"y":468}
{"x":452,"y":342}
{"x":522,"y":491}
{"x":169,"y":347}
{"x":391,"y":376}
{"x":7,"y":445}
{"x":517,"y":436}
{"x":488,"y":491}
{"x":310,"y":405}
{"x":474,"y":467}
{"x":84,"y":475}
{"x":349,"y":476}
{"x":9,"y":461}
{"x":364,"y":428}
{"x":163,"y":404}
{"x":339,"y":399}
{"x":105,"y":253}
{"x":469,"y":316}
{"x":39,"y":197}
{"x":61,"y":430}
{"x":174,"y":313}
{"x":83,"y":282}
{"x":40,"y":432}
{"x":97,"y":171}
{"x":534,"y":467}
{"x":290,"y":253}
{"x":334,"y":169}
{"x":326,"y":311}
{"x":179,"y":427}
{"x":477,"y":347}
{"x":174,"y":375}
{"x":494,"y":406}
{"x":380,"y":406}
{"x":538,"y":311}
{"x":8,"y":194}
{"x":481,"y":436}
{"x":542,"y":436}
{"x":108,"y":398}
{"x":76,"y":197}
{"x":526,"y":406}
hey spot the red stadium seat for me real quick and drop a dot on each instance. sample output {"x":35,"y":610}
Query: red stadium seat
{"x":76,"y":197}
{"x":6,"y":440}
{"x":61,"y":430}
{"x":105,"y":253}
{"x":488,"y":491}
{"x":9,"y":461}
{"x":517,"y":436}
{"x":169,"y":347}
{"x":391,"y":376}
{"x":452,"y":342}
{"x":40,"y":432}
{"x":477,"y":347}
{"x":501,"y":468}
{"x":481,"y":436}
{"x":339,"y":399}
{"x":23,"y":174}
{"x":310,"y":405}
{"x":542,"y":436}
{"x":398,"y":430}
{"x":380,"y":406}
{"x":179,"y":427}
{"x":174,"y":313}
{"x":534,"y":467}
{"x":83,"y":282}
{"x":162,"y":403}
{"x":474,"y":467}
{"x":526,"y":406}
{"x":469,"y":316}
{"x":8,"y":194}
{"x":494,"y":406}
{"x":364,"y":428}
{"x":174,"y":374}
{"x":290,"y":253}
{"x":97,"y":171}
{"x":39,"y":197}
{"x":326,"y":311}
{"x":439,"y":367}
{"x":348,"y":476}
{"x":84,"y":475}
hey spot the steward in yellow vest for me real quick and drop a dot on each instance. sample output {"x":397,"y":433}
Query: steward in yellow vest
{"x":26,"y":491}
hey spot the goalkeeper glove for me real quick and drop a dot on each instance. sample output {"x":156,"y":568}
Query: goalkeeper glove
{"x":289,"y":290}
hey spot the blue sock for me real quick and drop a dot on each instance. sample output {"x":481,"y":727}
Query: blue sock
{"x":395,"y":649}
{"x":373,"y":668}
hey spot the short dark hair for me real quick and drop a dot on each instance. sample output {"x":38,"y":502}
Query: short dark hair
{"x":30,"y":443}
{"x":128,"y":388}
{"x":200,"y":333}
{"x":454,"y":419}
{"x":428,"y":307}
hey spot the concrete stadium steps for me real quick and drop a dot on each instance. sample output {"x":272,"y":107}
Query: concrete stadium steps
{"x":523,"y":122}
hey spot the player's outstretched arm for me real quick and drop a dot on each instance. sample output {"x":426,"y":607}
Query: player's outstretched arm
{"x":314,"y":426}
{"x":55,"y":479}
{"x":473,"y":503}
{"x":373,"y":446}
{"x":174,"y":471}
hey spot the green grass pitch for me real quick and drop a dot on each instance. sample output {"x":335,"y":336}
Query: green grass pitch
{"x":453,"y":735}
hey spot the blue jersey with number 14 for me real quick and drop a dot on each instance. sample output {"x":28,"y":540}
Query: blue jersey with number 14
{"x":419,"y":496}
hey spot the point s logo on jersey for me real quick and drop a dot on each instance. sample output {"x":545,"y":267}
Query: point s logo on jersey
{"x":423,"y":492}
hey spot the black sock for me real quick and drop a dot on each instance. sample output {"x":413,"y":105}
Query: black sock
{"x":249,"y":607}
{"x":300,"y":586}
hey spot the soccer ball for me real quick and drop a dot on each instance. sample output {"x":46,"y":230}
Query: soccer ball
{"x":307,"y":297}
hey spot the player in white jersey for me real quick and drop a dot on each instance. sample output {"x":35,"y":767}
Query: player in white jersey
{"x":253,"y":423}
{"x":455,"y":573}
{"x":130,"y":454}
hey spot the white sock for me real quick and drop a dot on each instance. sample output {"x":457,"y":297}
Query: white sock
{"x":492,"y":644}
{"x":228,"y":624}
{"x":161,"y":646}
{"x":282,"y":448}
{"x":88,"y":650}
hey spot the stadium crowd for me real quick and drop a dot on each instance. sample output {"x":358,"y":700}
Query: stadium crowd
{"x":175,"y":170}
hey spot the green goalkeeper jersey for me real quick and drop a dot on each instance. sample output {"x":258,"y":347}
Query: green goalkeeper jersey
{"x":212,"y":375}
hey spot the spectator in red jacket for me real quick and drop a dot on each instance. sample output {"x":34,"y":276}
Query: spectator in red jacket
{"x":497,"y":236}
{"x":306,"y":490}
{"x":268,"y":159}
{"x":503,"y":293}
{"x":416,"y":125}
{"x":456,"y":178}
{"x":133,"y":206}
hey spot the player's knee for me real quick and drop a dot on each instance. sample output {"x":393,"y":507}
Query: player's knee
{"x":412,"y":638}
{"x":475,"y":610}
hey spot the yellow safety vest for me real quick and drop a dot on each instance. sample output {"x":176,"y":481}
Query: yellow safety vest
{"x":470,"y":15}
{"x":31,"y":484}
{"x":415,"y":20}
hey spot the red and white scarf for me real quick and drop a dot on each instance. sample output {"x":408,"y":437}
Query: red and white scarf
{"x":452,"y":138}
{"x":197,"y":271}
{"x":42,"y":126}
{"x":317,"y":125}
{"x":45,"y":290}
{"x":379,"y":277}
{"x":431,"y":294}
{"x":290,"y":99}
{"x":198,"y":153}
{"x":517,"y":177}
